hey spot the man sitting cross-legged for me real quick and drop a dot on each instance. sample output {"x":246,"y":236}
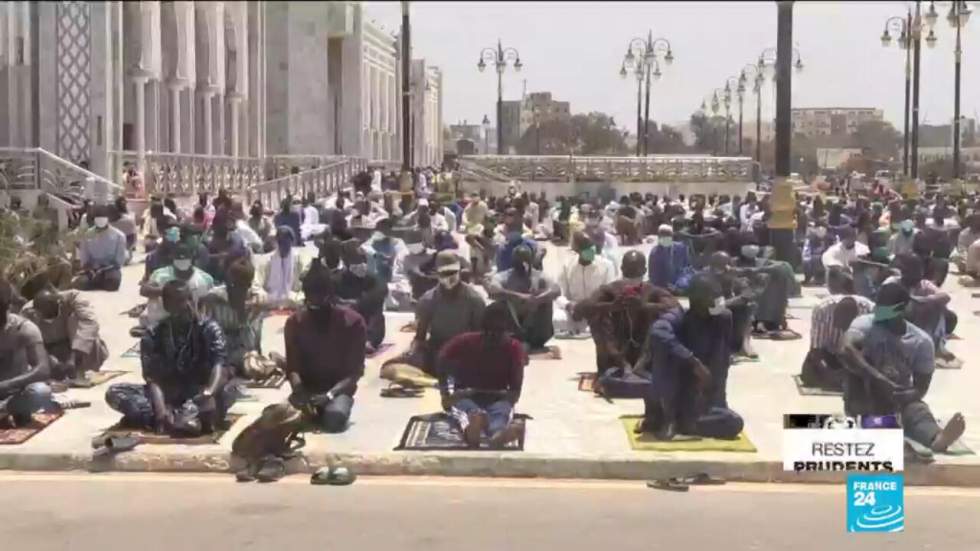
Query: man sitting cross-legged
{"x":279,"y":273}
{"x":198,"y":282}
{"x":184,"y":359}
{"x":70,"y":332}
{"x":620,"y":315}
{"x":102,"y":253}
{"x":579,"y":279}
{"x":822,"y":366}
{"x":481,"y":375}
{"x":324,"y":353}
{"x":689,"y":359}
{"x":530,"y":296}
{"x":24,"y":368}
{"x":357,"y":288}
{"x":890,"y":363}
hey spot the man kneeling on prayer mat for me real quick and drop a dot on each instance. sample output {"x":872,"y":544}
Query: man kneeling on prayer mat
{"x":324,"y":353}
{"x":579,"y":279}
{"x":689,"y":359}
{"x":70,"y":332}
{"x":24,"y":368}
{"x":481,"y":378}
{"x":278,"y":277}
{"x":890,"y":363}
{"x":620,"y":315}
{"x":530,"y":296}
{"x":184,"y":358}
{"x":450,"y":309}
{"x":356,"y":287}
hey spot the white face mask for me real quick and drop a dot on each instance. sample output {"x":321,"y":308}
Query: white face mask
{"x":416,"y":248}
{"x":750,"y":251}
{"x":665,"y":241}
{"x":718,"y":308}
{"x":359,"y":270}
{"x":182,"y":264}
{"x":449,"y":281}
{"x":101,"y":221}
{"x":377,"y":236}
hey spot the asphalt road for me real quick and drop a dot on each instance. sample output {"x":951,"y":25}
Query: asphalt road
{"x":111,"y":512}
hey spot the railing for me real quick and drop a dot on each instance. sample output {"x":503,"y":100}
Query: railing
{"x":278,"y":166}
{"x":319,"y":181}
{"x":679,"y":168}
{"x":184,"y":174}
{"x":38,"y":169}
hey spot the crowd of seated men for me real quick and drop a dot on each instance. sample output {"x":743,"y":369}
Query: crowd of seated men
{"x":212,"y":276}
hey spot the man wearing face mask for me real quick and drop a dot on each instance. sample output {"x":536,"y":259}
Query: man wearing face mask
{"x":384,"y":250}
{"x":163,"y":255}
{"x":508,"y":236}
{"x":279,"y":274}
{"x":70,"y":332}
{"x":579,"y":279}
{"x":689,"y":361}
{"x":291,"y":215}
{"x":324,"y":353}
{"x":841,"y":254}
{"x":102,"y":253}
{"x":187,"y":390}
{"x":901,"y":242}
{"x":967,"y":254}
{"x":365,"y":293}
{"x":198,"y":283}
{"x":410,"y":280}
{"x":481,"y":376}
{"x":772,"y":283}
{"x":225,"y":244}
{"x":669,"y":262}
{"x":929,"y":306}
{"x":814,"y":246}
{"x":530,"y":295}
{"x":890,"y":364}
{"x":262,"y":226}
{"x":24,"y":367}
{"x":741,"y":299}
{"x":620,"y":315}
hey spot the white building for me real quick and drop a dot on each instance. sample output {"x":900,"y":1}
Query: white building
{"x":832,"y":121}
{"x":426,"y":114}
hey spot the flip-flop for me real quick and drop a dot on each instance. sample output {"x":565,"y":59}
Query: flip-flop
{"x":702,"y":479}
{"x":333,"y":476}
{"x":669,"y":484}
{"x":401,"y":392}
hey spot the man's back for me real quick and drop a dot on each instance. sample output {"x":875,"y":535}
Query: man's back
{"x":472,"y":363}
{"x":15,"y":337}
{"x":324,"y":355}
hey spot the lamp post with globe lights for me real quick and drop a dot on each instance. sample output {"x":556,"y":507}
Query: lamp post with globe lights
{"x":500,"y":57}
{"x":644,"y":57}
{"x":738,"y":90}
{"x":903,"y":26}
{"x":752,"y":71}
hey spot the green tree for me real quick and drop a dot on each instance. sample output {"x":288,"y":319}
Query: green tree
{"x":709,"y":133}
{"x":879,"y":139}
{"x":584,"y":134}
{"x":665,"y":139}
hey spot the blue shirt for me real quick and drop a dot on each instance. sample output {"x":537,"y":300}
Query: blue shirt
{"x":506,"y":253}
{"x":666,"y":265}
{"x":103,"y":248}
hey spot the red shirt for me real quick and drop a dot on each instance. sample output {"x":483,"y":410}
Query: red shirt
{"x":473,"y":365}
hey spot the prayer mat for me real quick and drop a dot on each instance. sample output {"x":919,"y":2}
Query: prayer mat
{"x":273,"y":381}
{"x":135,"y":311}
{"x":437,"y":431}
{"x":547,"y":353}
{"x":132,"y":351}
{"x":812,"y":390}
{"x":148,"y":437}
{"x":781,"y":335}
{"x":281,"y":312}
{"x":409,"y":327}
{"x":382,"y":348}
{"x":573,"y":336}
{"x":14,"y":436}
{"x":646,"y":442}
{"x":956,"y":448}
{"x":586,"y":382}
{"x":955,"y":363}
{"x":407,"y":375}
{"x":96,"y":378}
{"x":740,"y":359}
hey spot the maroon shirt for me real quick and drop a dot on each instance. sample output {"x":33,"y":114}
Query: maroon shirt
{"x":325,"y":355}
{"x":472,"y":365}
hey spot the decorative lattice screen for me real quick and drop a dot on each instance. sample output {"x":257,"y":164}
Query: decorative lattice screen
{"x":73,"y":74}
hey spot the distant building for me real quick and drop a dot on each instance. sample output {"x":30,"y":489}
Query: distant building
{"x":510,"y":121}
{"x":540,"y":107}
{"x":942,"y":135}
{"x":829,"y":158}
{"x":426,"y":113}
{"x":484,"y":141}
{"x":968,"y":155}
{"x":832,"y":121}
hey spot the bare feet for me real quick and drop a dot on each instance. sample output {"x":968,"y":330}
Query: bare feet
{"x":476,"y":425}
{"x":508,"y":434}
{"x":950,"y":433}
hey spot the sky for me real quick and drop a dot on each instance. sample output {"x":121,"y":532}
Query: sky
{"x":575,"y":49}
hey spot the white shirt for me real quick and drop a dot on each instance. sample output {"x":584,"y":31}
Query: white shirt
{"x":376,"y":180}
{"x":578,"y":282}
{"x":247,"y":234}
{"x":837,"y":255}
{"x":311,"y":215}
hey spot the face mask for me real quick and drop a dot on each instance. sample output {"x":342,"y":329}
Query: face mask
{"x":377,"y":236}
{"x":449,"y":281}
{"x":416,"y":248}
{"x":718,"y":308}
{"x":908,"y":226}
{"x":587,"y":255}
{"x":172,"y":235}
{"x":101,"y":221}
{"x":359,"y":270}
{"x":182,"y":264}
{"x":297,"y":208}
{"x":750,"y":251}
{"x":820,"y":232}
{"x":665,"y":241}
{"x":886,"y":313}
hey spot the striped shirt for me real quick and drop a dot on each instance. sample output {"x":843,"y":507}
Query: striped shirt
{"x":243,"y":334}
{"x":823,"y":334}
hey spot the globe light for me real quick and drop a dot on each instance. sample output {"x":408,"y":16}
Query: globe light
{"x":622,"y":71}
{"x":886,"y":38}
{"x":669,"y":58}
{"x":518,"y":65}
{"x":931,"y":15}
{"x":931,"y":39}
{"x":799,"y":64}
{"x":481,"y":65}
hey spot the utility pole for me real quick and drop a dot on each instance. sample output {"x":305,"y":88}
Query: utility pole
{"x":908,"y":89}
{"x":406,"y":51}
{"x":916,"y":55}
{"x":781,"y":223}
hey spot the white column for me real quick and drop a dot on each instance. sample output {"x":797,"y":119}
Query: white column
{"x":175,"y":116}
{"x":208,"y":123}
{"x":235,"y":102}
{"x":140,"y":83}
{"x":222,"y":135}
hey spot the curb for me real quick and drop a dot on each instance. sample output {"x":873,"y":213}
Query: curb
{"x":481,"y":464}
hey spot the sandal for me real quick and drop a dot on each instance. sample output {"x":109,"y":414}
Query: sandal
{"x":703,"y":479}
{"x":672,"y":484}
{"x":401,"y":392}
{"x":333,"y":476}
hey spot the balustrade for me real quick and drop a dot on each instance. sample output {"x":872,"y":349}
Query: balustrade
{"x":679,"y":168}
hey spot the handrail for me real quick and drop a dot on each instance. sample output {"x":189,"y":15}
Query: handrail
{"x":40,"y":152}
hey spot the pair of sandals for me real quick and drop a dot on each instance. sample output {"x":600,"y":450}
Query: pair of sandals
{"x":684,"y":483}
{"x":111,"y":444}
{"x":273,"y":468}
{"x":395,"y":390}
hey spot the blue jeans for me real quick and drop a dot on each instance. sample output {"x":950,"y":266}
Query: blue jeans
{"x":334,"y":416}
{"x":499,"y":413}
{"x":29,"y":400}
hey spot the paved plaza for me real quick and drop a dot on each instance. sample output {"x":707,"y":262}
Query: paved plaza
{"x":572,"y":434}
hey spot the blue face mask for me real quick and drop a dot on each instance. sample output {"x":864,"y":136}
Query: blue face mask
{"x":172,"y":235}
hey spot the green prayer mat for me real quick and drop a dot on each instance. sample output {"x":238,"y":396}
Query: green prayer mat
{"x":813,"y":391}
{"x":646,"y":442}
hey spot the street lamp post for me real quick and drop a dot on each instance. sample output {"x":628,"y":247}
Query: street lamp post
{"x":766,"y":60}
{"x":715,"y":106}
{"x":958,"y":16}
{"x":728,"y":110}
{"x":753,"y":70}
{"x":643,"y":56}
{"x":903,"y":26}
{"x":486,"y":135}
{"x":500,"y":56}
